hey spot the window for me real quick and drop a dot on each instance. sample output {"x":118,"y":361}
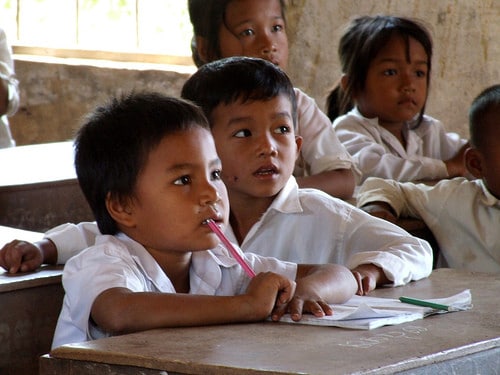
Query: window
{"x":125,"y":30}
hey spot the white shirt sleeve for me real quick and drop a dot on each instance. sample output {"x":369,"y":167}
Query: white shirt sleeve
{"x":70,"y":239}
{"x":7,"y":74}
{"x":321,"y":149}
{"x":402,"y":257}
{"x":378,"y":153}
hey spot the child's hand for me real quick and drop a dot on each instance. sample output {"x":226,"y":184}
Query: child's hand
{"x":381,"y":210}
{"x":269,"y":291}
{"x":303,"y":303}
{"x":317,"y":287}
{"x":368,"y":276}
{"x":20,"y":256}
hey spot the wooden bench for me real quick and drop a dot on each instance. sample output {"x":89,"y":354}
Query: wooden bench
{"x":29,"y":308}
{"x":39,"y":188}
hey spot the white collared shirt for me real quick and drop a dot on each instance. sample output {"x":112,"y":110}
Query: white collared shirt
{"x":378,"y":153}
{"x":321,"y":149}
{"x":463,"y":216}
{"x":120,"y":262}
{"x":310,"y":226}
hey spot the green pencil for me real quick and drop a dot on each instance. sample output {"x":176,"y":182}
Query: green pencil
{"x":419,"y":302}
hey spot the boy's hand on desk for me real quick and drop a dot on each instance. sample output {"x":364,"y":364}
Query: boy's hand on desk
{"x":20,"y":256}
{"x":270,"y":294}
{"x":368,"y":277}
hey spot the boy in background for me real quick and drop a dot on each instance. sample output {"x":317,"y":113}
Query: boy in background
{"x":463,"y":215}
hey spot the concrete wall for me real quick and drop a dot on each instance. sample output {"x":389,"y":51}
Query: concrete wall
{"x":466,"y":60}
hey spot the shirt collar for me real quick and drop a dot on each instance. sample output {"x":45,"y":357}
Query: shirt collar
{"x":287,"y":200}
{"x":487,"y":198}
{"x":205,"y":274}
{"x":374,"y":121}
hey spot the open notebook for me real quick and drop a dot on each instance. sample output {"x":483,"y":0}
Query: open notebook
{"x":365,"y":312}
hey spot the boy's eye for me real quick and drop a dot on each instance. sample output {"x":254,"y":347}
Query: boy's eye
{"x":283,"y":129}
{"x":243,"y":133}
{"x":247,"y":32}
{"x":183,"y":180}
{"x":216,"y":175}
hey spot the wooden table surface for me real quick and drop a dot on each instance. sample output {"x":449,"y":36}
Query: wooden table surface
{"x":465,"y":342}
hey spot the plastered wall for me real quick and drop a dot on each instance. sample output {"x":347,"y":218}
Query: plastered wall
{"x":466,"y":35}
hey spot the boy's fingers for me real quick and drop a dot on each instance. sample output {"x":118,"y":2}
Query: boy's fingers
{"x":359,"y":281}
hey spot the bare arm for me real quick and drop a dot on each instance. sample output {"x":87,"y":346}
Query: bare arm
{"x":339,"y":183}
{"x":4,"y":97}
{"x":118,"y":310}
{"x":382,"y":210}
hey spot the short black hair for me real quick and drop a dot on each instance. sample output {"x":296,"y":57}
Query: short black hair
{"x":233,"y":79}
{"x":486,"y":104}
{"x":114,"y":142}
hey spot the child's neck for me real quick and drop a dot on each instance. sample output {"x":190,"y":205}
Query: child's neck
{"x":396,"y":129}
{"x":245,"y":213}
{"x":176,"y":266}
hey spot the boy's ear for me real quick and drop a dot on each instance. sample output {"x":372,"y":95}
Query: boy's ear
{"x":474,"y":162}
{"x":120,"y":210}
{"x":202,"y":48}
{"x":298,"y":142}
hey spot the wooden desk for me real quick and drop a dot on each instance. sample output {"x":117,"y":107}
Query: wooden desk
{"x":29,"y":308}
{"x":39,"y":188}
{"x":466,"y":342}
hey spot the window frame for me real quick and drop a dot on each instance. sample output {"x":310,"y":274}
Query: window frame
{"x":131,"y":56}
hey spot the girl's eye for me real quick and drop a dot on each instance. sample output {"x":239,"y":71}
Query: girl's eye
{"x":390,"y":72}
{"x":277,"y":28}
{"x":216,"y":175}
{"x":247,"y":32}
{"x":283,"y":129}
{"x":421,"y":73}
{"x":243,"y":133}
{"x":184,"y":180}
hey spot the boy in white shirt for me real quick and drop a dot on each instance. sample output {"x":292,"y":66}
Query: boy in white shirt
{"x":464,"y":216}
{"x":148,"y":166}
{"x":251,"y":107}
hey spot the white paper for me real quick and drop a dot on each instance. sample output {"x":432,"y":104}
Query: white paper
{"x":365,"y":312}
